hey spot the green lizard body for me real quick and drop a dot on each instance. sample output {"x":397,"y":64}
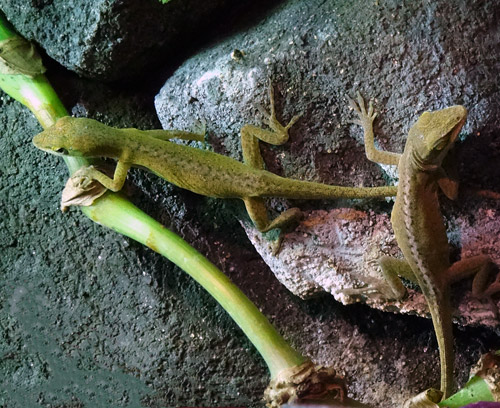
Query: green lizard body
{"x":200,"y":171}
{"x":418,"y":223}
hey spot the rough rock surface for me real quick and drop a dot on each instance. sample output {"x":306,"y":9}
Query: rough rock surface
{"x":411,"y":58}
{"x":338,"y":251}
{"x":114,"y":39}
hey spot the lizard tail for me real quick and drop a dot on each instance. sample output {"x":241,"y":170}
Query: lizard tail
{"x":298,"y":189}
{"x":441,"y":318}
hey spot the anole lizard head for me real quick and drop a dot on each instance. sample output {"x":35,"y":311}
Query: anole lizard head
{"x":70,"y":137}
{"x":433,"y":135}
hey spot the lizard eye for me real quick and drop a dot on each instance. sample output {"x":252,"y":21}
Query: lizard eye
{"x":61,"y":150}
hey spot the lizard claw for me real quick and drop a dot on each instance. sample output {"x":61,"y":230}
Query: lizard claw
{"x":271,"y":120}
{"x":263,"y":111}
{"x":370,"y":110}
{"x":270,"y":117}
{"x":359,"y":107}
{"x":82,"y":180}
{"x":293,"y":120}
{"x":82,"y":183}
{"x":361,"y":103}
{"x":353,"y":104}
{"x":200,"y":130}
{"x":276,"y":245}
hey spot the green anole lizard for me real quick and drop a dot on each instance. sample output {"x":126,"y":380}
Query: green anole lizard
{"x":200,"y":171}
{"x":418,"y":224}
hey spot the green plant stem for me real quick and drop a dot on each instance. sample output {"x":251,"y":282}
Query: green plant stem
{"x":119,"y":214}
{"x":36,"y":94}
{"x":115,"y":212}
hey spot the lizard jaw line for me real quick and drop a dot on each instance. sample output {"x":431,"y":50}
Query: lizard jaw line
{"x":420,"y":165}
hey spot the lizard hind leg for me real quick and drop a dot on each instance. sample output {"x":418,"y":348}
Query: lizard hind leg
{"x":277,"y":135}
{"x":481,"y":267}
{"x":286,"y":221}
{"x":392,"y":269}
{"x":391,"y":287}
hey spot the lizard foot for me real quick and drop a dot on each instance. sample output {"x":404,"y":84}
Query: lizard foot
{"x":270,"y":118}
{"x":481,"y":268}
{"x":82,"y":178}
{"x":365,"y":117}
{"x":374,"y":292}
{"x":287,"y":221}
{"x":428,"y":398}
{"x":363,"y":291}
{"x":79,"y":191}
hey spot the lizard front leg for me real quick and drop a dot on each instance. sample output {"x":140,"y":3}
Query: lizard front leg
{"x":366,"y":119}
{"x":447,"y":176}
{"x":85,"y":176}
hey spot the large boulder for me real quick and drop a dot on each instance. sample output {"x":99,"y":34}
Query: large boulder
{"x":114,"y":39}
{"x":411,"y":59}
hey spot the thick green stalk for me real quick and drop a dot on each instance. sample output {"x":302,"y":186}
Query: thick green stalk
{"x":115,"y":212}
{"x":36,"y":94}
{"x":6,"y":30}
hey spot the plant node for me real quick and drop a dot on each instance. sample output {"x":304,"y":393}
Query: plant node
{"x":305,"y":382}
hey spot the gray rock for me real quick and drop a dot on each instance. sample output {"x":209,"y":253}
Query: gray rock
{"x":411,"y":58}
{"x":113,"y":39}
{"x":337,"y":251}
